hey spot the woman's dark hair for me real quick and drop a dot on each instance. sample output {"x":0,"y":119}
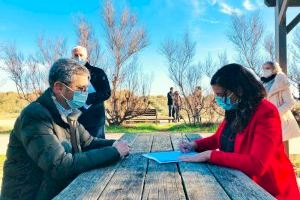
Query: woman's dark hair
{"x":246,"y":87}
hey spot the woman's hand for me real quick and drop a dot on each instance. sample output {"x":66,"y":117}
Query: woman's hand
{"x":200,"y":157}
{"x":186,"y":147}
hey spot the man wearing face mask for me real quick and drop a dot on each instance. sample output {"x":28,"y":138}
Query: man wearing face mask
{"x":93,"y":117}
{"x":48,"y":148}
{"x":279,"y":93}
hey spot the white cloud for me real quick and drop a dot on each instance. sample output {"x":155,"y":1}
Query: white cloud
{"x":195,"y":4}
{"x":249,"y":6}
{"x":198,"y":7}
{"x":209,"y":21}
{"x":212,"y":2}
{"x":229,"y":10}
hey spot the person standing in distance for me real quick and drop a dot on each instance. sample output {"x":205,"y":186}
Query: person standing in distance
{"x":93,"y":117}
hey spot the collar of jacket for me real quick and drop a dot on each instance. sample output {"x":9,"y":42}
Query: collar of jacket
{"x":88,"y":65}
{"x":46,"y":100}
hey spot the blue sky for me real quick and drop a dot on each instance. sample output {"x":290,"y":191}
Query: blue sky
{"x":206,"y":20}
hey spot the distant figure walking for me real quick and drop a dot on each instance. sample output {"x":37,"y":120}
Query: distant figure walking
{"x":177,"y":105}
{"x":171,"y":103}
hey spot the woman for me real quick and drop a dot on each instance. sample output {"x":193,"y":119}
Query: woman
{"x":278,"y":92}
{"x":249,"y":139}
{"x":177,"y":105}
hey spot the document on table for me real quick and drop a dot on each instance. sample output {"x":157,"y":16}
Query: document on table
{"x":167,"y":156}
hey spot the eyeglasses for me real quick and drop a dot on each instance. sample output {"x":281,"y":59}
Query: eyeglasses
{"x":79,"y":89}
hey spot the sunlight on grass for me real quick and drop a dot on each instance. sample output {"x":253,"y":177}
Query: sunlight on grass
{"x":150,"y":128}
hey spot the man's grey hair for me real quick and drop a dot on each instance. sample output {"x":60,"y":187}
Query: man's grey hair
{"x":63,"y":69}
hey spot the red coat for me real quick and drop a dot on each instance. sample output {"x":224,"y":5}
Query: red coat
{"x":258,"y":152}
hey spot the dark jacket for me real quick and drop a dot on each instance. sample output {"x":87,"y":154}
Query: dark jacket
{"x":94,"y":116}
{"x":170,"y":98}
{"x":45,"y":152}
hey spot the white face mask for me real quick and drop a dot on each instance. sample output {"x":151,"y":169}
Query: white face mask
{"x":267,"y":73}
{"x":80,"y":60}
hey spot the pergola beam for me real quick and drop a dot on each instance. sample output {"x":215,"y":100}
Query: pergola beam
{"x":290,"y":3}
{"x":280,"y":35}
{"x":282,"y":11}
{"x":293,"y":23}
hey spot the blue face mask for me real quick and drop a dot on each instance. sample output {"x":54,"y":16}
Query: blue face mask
{"x":78,"y":100}
{"x":225,"y":103}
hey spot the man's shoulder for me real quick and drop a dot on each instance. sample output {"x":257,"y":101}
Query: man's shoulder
{"x":94,"y":68}
{"x":37,"y":111}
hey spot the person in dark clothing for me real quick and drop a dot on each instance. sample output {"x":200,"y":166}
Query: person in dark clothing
{"x":48,"y":148}
{"x":170,"y":96}
{"x":93,"y":117}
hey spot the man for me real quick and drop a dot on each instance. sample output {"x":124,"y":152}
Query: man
{"x":171,"y":103}
{"x":93,"y":117}
{"x":48,"y":147}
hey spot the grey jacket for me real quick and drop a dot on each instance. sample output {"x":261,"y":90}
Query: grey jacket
{"x":45,"y":152}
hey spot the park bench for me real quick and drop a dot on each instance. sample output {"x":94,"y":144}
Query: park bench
{"x":148,"y":115}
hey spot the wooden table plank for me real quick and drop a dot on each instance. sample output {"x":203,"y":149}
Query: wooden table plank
{"x":128,"y":181}
{"x":88,"y":185}
{"x":163,"y":181}
{"x":199,"y":182}
{"x":236,"y":184}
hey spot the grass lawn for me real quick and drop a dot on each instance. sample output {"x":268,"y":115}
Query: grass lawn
{"x":150,"y":128}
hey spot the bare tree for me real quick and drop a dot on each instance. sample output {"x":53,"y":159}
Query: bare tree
{"x":294,"y":67}
{"x":50,"y":50}
{"x":269,"y":45}
{"x":86,"y":38}
{"x":125,"y":38}
{"x":25,"y":73}
{"x":208,"y":66}
{"x":179,"y":55}
{"x":132,"y":99}
{"x":246,"y":33}
{"x":13,"y":64}
{"x":29,"y":72}
{"x":223,"y":58}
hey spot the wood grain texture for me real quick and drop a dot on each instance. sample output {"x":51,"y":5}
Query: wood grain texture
{"x":163,"y":181}
{"x":198,"y":181}
{"x":89,"y":185}
{"x":127,"y":183}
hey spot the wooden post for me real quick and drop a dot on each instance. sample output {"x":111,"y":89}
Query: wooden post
{"x":280,"y":34}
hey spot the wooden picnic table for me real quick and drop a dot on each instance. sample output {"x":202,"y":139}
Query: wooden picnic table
{"x":136,"y":177}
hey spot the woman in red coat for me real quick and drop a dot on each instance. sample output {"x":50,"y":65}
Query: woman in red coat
{"x":249,"y":139}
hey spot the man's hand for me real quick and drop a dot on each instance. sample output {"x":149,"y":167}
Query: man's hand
{"x":200,"y":157}
{"x":122,"y":147}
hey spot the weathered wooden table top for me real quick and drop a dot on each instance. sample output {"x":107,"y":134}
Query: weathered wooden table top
{"x":136,"y":177}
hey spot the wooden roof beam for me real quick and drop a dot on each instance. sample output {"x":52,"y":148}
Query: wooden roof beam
{"x":291,"y":3}
{"x":283,"y":9}
{"x":293,"y":23}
